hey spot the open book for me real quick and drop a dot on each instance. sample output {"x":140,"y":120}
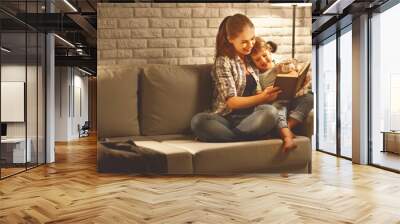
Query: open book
{"x":291,"y":82}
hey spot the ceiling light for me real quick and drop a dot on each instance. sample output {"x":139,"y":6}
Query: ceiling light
{"x":337,"y":7}
{"x":5,"y":50}
{"x":84,"y":71}
{"x":70,"y":5}
{"x":65,"y":41}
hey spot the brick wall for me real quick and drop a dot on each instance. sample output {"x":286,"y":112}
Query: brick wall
{"x":184,"y":33}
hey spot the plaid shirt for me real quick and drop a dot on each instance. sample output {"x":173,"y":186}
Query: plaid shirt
{"x":229,"y":79}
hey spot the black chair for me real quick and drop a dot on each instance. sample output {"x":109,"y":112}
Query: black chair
{"x":84,"y":130}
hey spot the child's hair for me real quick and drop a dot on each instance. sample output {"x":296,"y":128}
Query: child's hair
{"x":273,"y":45}
{"x":230,"y":27}
{"x":261,"y":45}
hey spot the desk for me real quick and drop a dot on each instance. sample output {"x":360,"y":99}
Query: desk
{"x":13,"y":150}
{"x":391,"y":141}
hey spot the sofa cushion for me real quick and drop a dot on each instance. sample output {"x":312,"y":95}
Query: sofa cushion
{"x":179,"y":160}
{"x":117,"y":101}
{"x":171,"y":95}
{"x":161,"y":138}
{"x":249,"y":156}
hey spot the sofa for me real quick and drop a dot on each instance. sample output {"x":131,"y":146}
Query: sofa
{"x":152,"y":105}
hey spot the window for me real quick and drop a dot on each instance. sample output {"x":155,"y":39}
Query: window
{"x":327,"y":96}
{"x":385,"y":86}
{"x":346,"y":92}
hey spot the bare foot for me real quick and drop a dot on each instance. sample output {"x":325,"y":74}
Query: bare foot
{"x":285,"y":175}
{"x":288,"y":144}
{"x":287,"y":137}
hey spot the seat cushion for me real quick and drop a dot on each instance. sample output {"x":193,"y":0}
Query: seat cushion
{"x":161,"y":138}
{"x":250,"y":156}
{"x":171,"y":95}
{"x":117,"y":113}
{"x":179,"y":160}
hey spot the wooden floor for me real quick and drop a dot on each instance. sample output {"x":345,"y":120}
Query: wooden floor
{"x":387,"y":159}
{"x":70,"y":191}
{"x":5,"y":172}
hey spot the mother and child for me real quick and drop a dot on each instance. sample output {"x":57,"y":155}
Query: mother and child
{"x":241,"y":109}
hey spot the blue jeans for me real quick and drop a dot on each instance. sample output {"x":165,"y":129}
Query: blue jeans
{"x":211,"y":127}
{"x":298,"y":109}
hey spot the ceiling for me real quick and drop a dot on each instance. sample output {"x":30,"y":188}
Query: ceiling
{"x":331,"y":15}
{"x":72,"y":20}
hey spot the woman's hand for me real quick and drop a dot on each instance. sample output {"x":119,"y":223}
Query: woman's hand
{"x":271,"y":93}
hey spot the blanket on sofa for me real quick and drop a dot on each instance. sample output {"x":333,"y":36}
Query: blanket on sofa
{"x":129,"y":157}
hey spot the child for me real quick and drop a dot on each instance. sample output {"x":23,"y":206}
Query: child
{"x":301,"y":105}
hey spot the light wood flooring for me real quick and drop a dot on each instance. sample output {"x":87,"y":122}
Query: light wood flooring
{"x":71,"y":191}
{"x":5,"y":172}
{"x":387,"y":159}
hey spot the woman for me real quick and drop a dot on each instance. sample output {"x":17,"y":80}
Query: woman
{"x":240,"y":110}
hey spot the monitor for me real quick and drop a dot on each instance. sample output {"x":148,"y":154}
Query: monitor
{"x":3,"y":129}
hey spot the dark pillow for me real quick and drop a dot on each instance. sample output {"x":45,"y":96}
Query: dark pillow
{"x":117,"y":101}
{"x":171,"y":95}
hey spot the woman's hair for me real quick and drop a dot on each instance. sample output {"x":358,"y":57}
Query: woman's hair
{"x":261,"y":45}
{"x":230,"y":27}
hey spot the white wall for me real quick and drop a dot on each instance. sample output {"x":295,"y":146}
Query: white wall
{"x":16,"y":73}
{"x":70,"y":83}
{"x":62,"y":81}
{"x":184,"y":33}
{"x":79,"y":112}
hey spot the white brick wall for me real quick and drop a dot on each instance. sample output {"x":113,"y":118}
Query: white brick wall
{"x":184,"y":33}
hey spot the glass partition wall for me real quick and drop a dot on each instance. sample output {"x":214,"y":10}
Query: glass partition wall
{"x":22,"y":77}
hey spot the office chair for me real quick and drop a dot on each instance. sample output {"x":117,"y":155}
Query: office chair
{"x":84,"y":130}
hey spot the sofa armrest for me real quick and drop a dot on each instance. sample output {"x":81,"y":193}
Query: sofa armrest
{"x":307,"y":128}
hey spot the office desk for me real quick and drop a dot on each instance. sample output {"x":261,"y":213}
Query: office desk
{"x":391,"y":141}
{"x":13,"y":150}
